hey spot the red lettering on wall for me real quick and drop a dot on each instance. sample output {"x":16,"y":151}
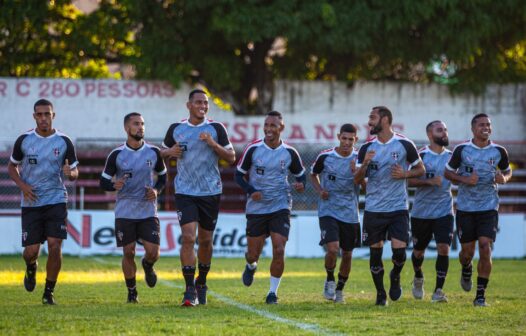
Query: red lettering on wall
{"x":22,"y":88}
{"x":296,"y":133}
{"x":321,"y":133}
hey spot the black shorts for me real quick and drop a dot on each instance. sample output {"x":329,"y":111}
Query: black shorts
{"x":201,"y":209}
{"x":130,"y":230}
{"x":423,"y":230}
{"x":379,"y":226}
{"x":474,"y":224}
{"x":334,"y":230}
{"x":264,"y":224}
{"x":41,"y":222}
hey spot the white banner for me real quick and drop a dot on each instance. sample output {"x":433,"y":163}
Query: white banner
{"x":92,"y":233}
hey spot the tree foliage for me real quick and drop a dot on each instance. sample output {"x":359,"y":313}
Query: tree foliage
{"x":238,"y":48}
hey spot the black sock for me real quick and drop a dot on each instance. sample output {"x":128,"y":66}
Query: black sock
{"x":417,"y":265}
{"x":50,"y":285}
{"x":203,"y":272}
{"x":441,"y":266}
{"x":189,"y":274}
{"x":467,"y":270}
{"x":482,"y":283}
{"x":330,"y":274}
{"x":31,"y":267}
{"x":398,"y":260}
{"x":131,"y":284}
{"x":341,"y":282}
{"x":147,"y":264}
{"x":377,"y":268}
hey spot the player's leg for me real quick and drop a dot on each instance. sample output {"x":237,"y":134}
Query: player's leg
{"x":129,"y":269}
{"x":330,"y":237}
{"x":349,"y":239}
{"x":443,"y":232}
{"x":399,"y":234}
{"x":279,"y":226}
{"x":149,"y":232}
{"x":32,"y":236}
{"x":486,"y":233}
{"x":374,"y":232}
{"x":422,"y":232}
{"x":466,"y":229}
{"x":187,"y":256}
{"x":257,"y":231}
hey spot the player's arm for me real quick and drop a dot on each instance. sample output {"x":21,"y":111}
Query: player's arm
{"x":416,"y":166}
{"x":316,"y":169}
{"x":416,"y":171}
{"x":223,"y":148}
{"x":170,"y":148}
{"x":364,"y":159}
{"x":69,"y":167}
{"x":110,"y":169}
{"x":451,"y":171}
{"x":27,"y":190}
{"x":504,"y":173}
{"x":297,"y":169}
{"x":243,"y":167}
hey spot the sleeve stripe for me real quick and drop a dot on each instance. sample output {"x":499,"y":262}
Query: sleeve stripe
{"x":106,"y":176}
{"x":163,"y":172}
{"x":448,"y":167}
{"x":15,"y":161}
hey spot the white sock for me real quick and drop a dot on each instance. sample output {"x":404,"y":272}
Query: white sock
{"x":274,"y":284}
{"x":252,"y":266}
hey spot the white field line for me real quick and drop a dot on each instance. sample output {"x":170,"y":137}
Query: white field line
{"x":314,"y":328}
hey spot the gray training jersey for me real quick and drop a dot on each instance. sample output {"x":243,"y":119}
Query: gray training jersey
{"x":138,"y":165}
{"x":468,"y":158}
{"x":384,"y":193}
{"x":267,"y":171}
{"x":337,"y":178}
{"x":40,"y":160}
{"x":432,"y":201}
{"x":197,"y":169}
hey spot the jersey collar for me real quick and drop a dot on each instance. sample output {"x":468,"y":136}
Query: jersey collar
{"x":133,"y":149}
{"x":477,"y":147}
{"x":198,"y":125}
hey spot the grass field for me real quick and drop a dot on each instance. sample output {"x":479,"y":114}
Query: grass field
{"x":91,"y":300}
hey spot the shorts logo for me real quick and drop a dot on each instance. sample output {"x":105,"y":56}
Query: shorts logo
{"x":155,"y":233}
{"x":323,"y":233}
{"x":63,"y":227}
{"x":149,"y":163}
{"x":364,"y":236}
{"x":179,"y":215}
{"x":120,"y":235}
{"x":286,"y":226}
{"x":24,"y":236}
{"x":415,"y":241}
{"x":56,"y":152}
{"x":395,"y":155}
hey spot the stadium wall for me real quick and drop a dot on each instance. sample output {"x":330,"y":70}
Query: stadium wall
{"x":92,"y":233}
{"x":314,"y":110}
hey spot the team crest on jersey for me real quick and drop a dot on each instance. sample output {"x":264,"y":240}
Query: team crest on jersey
{"x":395,"y":155}
{"x":282,"y":164}
{"x":56,"y":151}
{"x":149,"y":163}
{"x":492,"y":161}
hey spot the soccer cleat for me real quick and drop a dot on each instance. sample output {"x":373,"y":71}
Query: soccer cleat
{"x":439,"y":296}
{"x":418,"y":288}
{"x":395,"y":291}
{"x":201,"y":293}
{"x":48,"y":298}
{"x":149,"y":274}
{"x":248,"y":276}
{"x":381,"y":299}
{"x":30,"y":280}
{"x":189,"y":298}
{"x":338,"y":297}
{"x":271,"y":298}
{"x":329,"y":290}
{"x":133,"y":296}
{"x":480,"y":302}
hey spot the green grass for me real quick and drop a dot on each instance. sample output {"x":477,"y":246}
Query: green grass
{"x":91,"y":300}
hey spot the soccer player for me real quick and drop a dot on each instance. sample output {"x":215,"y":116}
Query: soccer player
{"x":387,"y":160}
{"x":338,"y":208}
{"x":478,"y":166}
{"x":267,"y":162}
{"x":40,"y":161}
{"x":197,"y":144}
{"x":432,"y":212}
{"x":129,"y":170}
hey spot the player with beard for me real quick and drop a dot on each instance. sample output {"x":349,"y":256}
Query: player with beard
{"x":267,"y":163}
{"x":387,"y":160}
{"x":40,"y":161}
{"x":129,"y":170}
{"x":432,"y":212}
{"x":478,"y":166}
{"x":332,"y":176}
{"x":197,"y":144}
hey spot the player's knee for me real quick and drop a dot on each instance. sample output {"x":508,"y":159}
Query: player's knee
{"x":485,"y":249}
{"x":333,"y":250}
{"x":152,"y":256}
{"x":443,"y":249}
{"x":54,"y":247}
{"x":346,"y":255}
{"x":188,"y":239}
{"x":278,"y":251}
{"x":129,"y":253}
{"x":205,"y":242}
{"x":399,"y":256}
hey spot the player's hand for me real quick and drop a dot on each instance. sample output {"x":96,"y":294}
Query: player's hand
{"x":66,"y":169}
{"x":397,"y":172}
{"x":368,"y":157}
{"x":472,"y":179}
{"x":207,"y":137}
{"x":324,"y":194}
{"x":29,"y":194}
{"x":150,"y":193}
{"x":436,"y":181}
{"x":175,"y":151}
{"x":499,"y":178}
{"x":256,"y":196}
{"x":119,"y":184}
{"x":353,"y":166}
{"x":298,"y":186}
